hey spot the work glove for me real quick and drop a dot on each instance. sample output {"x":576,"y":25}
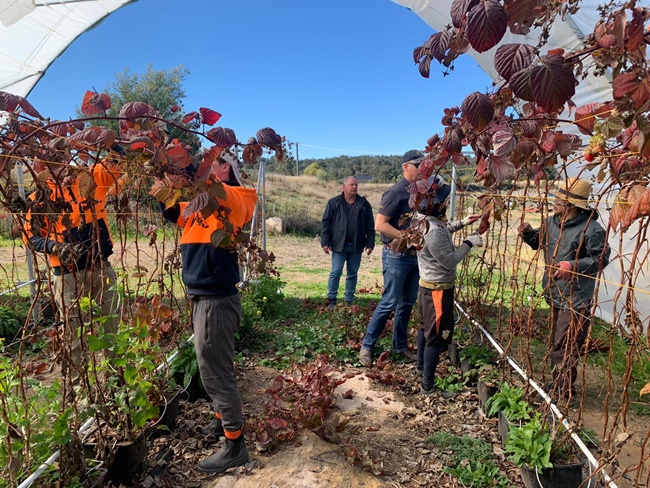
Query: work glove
{"x":69,"y":253}
{"x":470,"y":219}
{"x":475,"y":240}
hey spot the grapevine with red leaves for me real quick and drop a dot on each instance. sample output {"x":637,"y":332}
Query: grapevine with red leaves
{"x":144,"y":148}
{"x":516,"y":129}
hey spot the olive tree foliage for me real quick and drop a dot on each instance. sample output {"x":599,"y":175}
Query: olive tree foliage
{"x":162,"y":89}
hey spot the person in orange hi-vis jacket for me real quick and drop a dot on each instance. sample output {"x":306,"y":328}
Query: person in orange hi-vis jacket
{"x":211,"y":275}
{"x":78,"y":243}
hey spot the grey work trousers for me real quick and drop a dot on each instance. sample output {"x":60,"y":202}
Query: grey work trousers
{"x":215,"y":320}
{"x":570,"y":329}
{"x":97,"y":283}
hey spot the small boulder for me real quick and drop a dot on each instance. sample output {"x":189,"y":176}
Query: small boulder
{"x":274,"y":225}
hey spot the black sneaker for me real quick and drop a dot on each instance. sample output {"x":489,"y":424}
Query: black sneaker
{"x":407,"y":355}
{"x":434,"y":390}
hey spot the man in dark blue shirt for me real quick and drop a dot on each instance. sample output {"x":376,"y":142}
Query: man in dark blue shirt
{"x":400,"y":269}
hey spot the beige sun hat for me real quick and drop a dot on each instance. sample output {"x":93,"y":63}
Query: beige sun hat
{"x":576,"y":191}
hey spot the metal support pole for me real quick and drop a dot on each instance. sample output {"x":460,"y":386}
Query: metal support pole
{"x":30,"y":263}
{"x":262,"y":182}
{"x":452,"y":201}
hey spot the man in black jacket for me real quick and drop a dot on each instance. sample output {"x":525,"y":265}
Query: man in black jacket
{"x":348,"y":229}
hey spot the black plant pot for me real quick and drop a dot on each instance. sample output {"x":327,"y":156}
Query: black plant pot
{"x":465,"y":366}
{"x":559,"y":476}
{"x":485,"y":392}
{"x":194,"y":391}
{"x":470,"y":373}
{"x":504,"y":427}
{"x":168,"y":414}
{"x":452,"y":349}
{"x":128,"y":459}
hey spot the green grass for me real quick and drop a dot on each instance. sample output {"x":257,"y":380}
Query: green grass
{"x":307,"y":271}
{"x":470,"y":459}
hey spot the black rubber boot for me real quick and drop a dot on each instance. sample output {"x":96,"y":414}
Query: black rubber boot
{"x":232,"y":453}
{"x":214,"y":428}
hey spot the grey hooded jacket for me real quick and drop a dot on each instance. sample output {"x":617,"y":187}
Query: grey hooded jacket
{"x":439,"y":256}
{"x":582,"y":242}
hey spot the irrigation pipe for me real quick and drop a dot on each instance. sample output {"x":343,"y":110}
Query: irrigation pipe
{"x":17,"y":287}
{"x":86,"y":425}
{"x":556,"y":411}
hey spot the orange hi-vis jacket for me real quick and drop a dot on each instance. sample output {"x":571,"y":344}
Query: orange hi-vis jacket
{"x":208,"y":270}
{"x":86,"y":224}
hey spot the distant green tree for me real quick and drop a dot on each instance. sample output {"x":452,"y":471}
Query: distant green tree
{"x":162,"y":89}
{"x":312,"y":169}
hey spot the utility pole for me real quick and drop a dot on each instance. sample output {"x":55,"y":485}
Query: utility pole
{"x":297,"y":161}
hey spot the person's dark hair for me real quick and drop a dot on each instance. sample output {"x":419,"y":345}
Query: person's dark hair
{"x":432,"y":203}
{"x":432,"y":209}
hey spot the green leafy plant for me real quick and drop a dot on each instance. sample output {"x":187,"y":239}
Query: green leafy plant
{"x":262,"y":300}
{"x":530,"y":444}
{"x":479,"y":475}
{"x":509,"y":400}
{"x":126,"y":385}
{"x":32,"y":430}
{"x":489,"y":374}
{"x":476,"y":355}
{"x":470,"y":459}
{"x":451,"y":382}
{"x":185,"y":365}
{"x":9,"y":323}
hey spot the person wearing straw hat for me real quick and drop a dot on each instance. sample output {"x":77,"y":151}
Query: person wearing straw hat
{"x":575,"y":251}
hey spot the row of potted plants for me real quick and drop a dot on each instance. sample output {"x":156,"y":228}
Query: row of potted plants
{"x":542,"y":449}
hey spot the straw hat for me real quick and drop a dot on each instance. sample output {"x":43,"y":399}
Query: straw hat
{"x":575,"y":191}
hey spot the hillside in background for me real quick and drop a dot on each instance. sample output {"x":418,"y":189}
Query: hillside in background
{"x":371,"y":169}
{"x":300,"y":200}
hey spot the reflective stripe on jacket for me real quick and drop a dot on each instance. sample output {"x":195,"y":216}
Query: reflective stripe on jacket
{"x":209,"y":270}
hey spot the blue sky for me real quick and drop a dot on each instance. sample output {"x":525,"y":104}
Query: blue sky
{"x":336,"y":76}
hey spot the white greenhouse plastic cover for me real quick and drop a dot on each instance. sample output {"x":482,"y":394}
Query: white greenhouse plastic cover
{"x":33,"y":33}
{"x":568,"y":35}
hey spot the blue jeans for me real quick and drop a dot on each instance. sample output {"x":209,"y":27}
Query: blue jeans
{"x":401,"y":277}
{"x":353,"y":260}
